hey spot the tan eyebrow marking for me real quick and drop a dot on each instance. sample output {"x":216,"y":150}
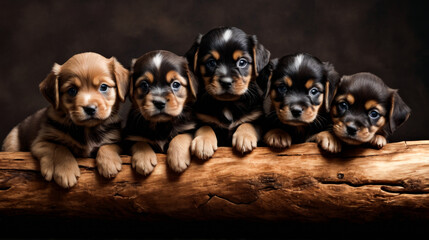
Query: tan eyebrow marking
{"x":237,"y":54}
{"x":173,"y":75}
{"x":309,"y":83}
{"x":288,"y":81}
{"x":147,"y":76}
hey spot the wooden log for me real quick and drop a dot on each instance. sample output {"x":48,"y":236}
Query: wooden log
{"x":298,"y":184}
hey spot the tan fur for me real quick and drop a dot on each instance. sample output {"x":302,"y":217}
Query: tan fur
{"x":309,"y":83}
{"x":245,"y":138}
{"x":277,"y":138}
{"x":237,"y":54}
{"x":178,"y":153}
{"x":378,"y":141}
{"x":204,"y":143}
{"x":11,"y":142}
{"x":108,"y":161}
{"x":86,"y":72}
{"x":327,"y":141}
{"x":143,"y":158}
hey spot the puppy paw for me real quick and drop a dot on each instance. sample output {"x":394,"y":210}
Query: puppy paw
{"x":143,"y":159}
{"x":277,"y":138}
{"x":204,"y":144}
{"x":178,"y":153}
{"x":109,"y":163}
{"x":66,"y":172}
{"x":327,"y":142}
{"x":47,"y":168}
{"x":378,"y":141}
{"x":245,"y":138}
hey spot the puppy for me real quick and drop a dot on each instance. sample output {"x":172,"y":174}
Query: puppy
{"x":162,"y":93}
{"x":364,"y":111}
{"x":83,"y":121}
{"x":226,"y":62}
{"x":298,"y":90}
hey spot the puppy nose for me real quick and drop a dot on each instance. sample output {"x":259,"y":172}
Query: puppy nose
{"x":90,"y":110}
{"x":159,"y":104}
{"x":296,"y":110}
{"x":351,"y":130}
{"x":225,"y":82}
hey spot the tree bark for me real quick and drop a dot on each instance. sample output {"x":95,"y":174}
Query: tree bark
{"x":297,"y":184}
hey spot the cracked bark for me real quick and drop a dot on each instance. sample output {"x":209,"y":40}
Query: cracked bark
{"x":298,"y":184}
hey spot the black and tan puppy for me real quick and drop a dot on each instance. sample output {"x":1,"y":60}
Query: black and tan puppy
{"x":83,"y":121}
{"x":299,"y":88}
{"x":226,"y":62}
{"x":364,"y":110}
{"x":162,"y":93}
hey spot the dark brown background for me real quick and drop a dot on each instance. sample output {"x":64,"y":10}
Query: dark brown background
{"x":388,"y":38}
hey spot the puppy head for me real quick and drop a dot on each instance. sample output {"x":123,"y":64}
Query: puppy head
{"x":296,"y":88}
{"x":364,"y":106}
{"x":161,"y":85}
{"x":86,"y":87}
{"x":227,"y":59}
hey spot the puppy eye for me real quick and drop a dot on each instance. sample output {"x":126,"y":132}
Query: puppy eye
{"x":144,"y":86}
{"x":314,"y":91}
{"x":72,"y":91}
{"x":103,"y":87}
{"x":343,"y":106}
{"x":211,"y":63}
{"x":282,"y":88}
{"x":374,"y":114}
{"x":175,"y":85}
{"x":242,"y":63}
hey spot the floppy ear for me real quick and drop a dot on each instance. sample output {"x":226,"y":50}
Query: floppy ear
{"x":264,"y":78}
{"x":131,"y":87}
{"x":261,"y":56}
{"x":192,"y":81}
{"x":49,"y":86}
{"x":192,"y":54}
{"x":121,"y":75}
{"x":332,"y":81}
{"x":399,"y":112}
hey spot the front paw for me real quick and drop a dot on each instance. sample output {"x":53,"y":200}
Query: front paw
{"x":66,"y":172}
{"x":108,"y":164}
{"x":328,"y":142}
{"x":143,"y":159}
{"x":47,"y":167}
{"x":245,"y":138}
{"x":378,"y":141}
{"x":277,"y":138}
{"x":178,"y":153}
{"x":204,"y":144}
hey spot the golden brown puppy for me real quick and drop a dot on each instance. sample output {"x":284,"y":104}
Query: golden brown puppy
{"x":162,"y":93}
{"x":83,"y":121}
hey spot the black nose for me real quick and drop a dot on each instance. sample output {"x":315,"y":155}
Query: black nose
{"x":351,"y":130}
{"x":90,"y":110}
{"x":296,"y":110}
{"x":159,"y":104}
{"x":225,"y":82}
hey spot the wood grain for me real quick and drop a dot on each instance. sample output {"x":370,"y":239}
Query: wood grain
{"x":297,"y":184}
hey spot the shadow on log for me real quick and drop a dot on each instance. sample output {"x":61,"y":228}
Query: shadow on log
{"x":298,"y":184}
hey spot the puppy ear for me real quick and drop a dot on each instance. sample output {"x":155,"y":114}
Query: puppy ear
{"x":399,"y":112}
{"x":131,"y":87}
{"x":261,"y":56}
{"x":192,"y":81}
{"x":264,"y":78}
{"x":49,"y":86}
{"x":332,"y":81}
{"x":121,"y":75}
{"x":192,"y":54}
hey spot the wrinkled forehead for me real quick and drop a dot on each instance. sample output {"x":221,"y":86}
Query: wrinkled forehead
{"x":85,"y":72}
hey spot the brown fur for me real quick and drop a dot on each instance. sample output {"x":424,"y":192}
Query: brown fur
{"x":66,"y":130}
